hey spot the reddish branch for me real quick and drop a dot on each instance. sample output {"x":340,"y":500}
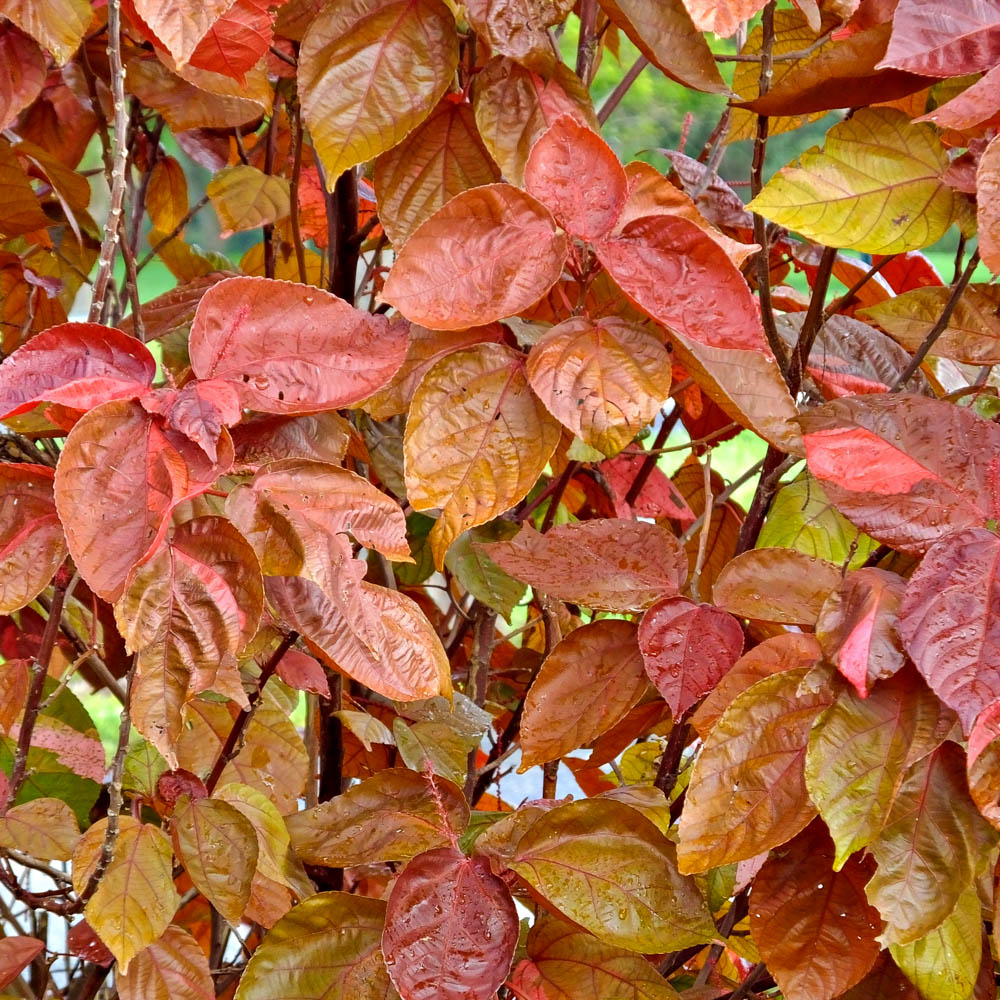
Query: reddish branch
{"x":234,"y":740}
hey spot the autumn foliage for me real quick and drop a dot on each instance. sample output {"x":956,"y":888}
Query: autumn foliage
{"x":414,"y":481}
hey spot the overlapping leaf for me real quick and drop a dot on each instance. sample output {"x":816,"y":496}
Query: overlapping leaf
{"x":905,"y":469}
{"x":172,"y":968}
{"x":392,"y":816}
{"x":612,"y":872}
{"x":369,"y":72}
{"x":747,"y":791}
{"x":291,"y":348}
{"x":608,"y":565}
{"x":121,"y":474}
{"x":585,"y":686}
{"x":488,"y":253}
{"x":450,"y":930}
{"x":477,"y":439}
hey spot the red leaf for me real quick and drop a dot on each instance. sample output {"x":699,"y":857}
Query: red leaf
{"x":291,"y":348}
{"x":77,"y":364}
{"x":658,"y":497}
{"x":578,"y":178}
{"x":199,"y":411}
{"x":16,"y":953}
{"x":235,"y":43}
{"x":950,"y":621}
{"x":680,"y":276}
{"x":31,"y":538}
{"x":488,"y":253}
{"x":608,"y":565}
{"x":82,"y":941}
{"x":941,"y":38}
{"x":687,"y":649}
{"x":303,"y":673}
{"x":450,"y":928}
{"x":905,"y":469}
{"x":908,"y":271}
{"x":857,"y":627}
{"x":119,"y":477}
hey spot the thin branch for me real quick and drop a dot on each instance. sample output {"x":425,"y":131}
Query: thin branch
{"x":586,"y":48}
{"x":845,"y":300}
{"x":705,"y":529}
{"x":115,"y":796}
{"x":39,"y":674}
{"x":615,"y":97}
{"x":233,"y":741}
{"x":649,"y":462}
{"x":812,"y":323}
{"x":683,"y":447}
{"x":670,"y":761}
{"x":483,"y":632}
{"x":113,"y":227}
{"x":561,"y":483}
{"x":720,"y":500}
{"x":783,"y":57}
{"x":776,"y":464}
{"x":941,"y":325}
{"x":175,"y":232}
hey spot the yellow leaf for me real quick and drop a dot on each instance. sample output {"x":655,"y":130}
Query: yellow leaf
{"x":876,"y":186}
{"x":370,"y":71}
{"x":477,"y":439}
{"x":181,"y":24}
{"x":58,"y":25}
{"x":246,"y":198}
{"x":44,"y":828}
{"x":167,"y":195}
{"x":135,"y":899}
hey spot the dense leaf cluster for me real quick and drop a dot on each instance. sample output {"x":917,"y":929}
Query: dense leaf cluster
{"x":442,"y":458}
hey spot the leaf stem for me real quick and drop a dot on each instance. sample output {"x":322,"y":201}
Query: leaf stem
{"x":615,"y":97}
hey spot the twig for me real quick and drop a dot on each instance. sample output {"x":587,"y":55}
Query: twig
{"x":586,"y":48}
{"x":776,"y":464}
{"x":783,"y":57}
{"x":113,"y":228}
{"x":175,"y":232}
{"x":699,"y":564}
{"x":615,"y":97}
{"x":114,"y":793}
{"x":756,"y":184}
{"x":812,"y":323}
{"x":556,"y":497}
{"x":683,"y":447}
{"x":39,"y":674}
{"x":232,"y":745}
{"x":670,"y":761}
{"x":941,"y":325}
{"x":847,"y":298}
{"x":295,"y":129}
{"x":649,"y":462}
{"x":484,"y":628}
{"x":720,"y":500}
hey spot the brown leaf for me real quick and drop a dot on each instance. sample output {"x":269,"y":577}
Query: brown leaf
{"x":171,"y":968}
{"x":585,"y":686}
{"x":607,"y":565}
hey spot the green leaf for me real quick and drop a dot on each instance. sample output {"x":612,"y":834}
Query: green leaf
{"x":611,"y":871}
{"x":479,"y":574}
{"x":801,"y":517}
{"x":876,"y":186}
{"x":944,"y":964}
